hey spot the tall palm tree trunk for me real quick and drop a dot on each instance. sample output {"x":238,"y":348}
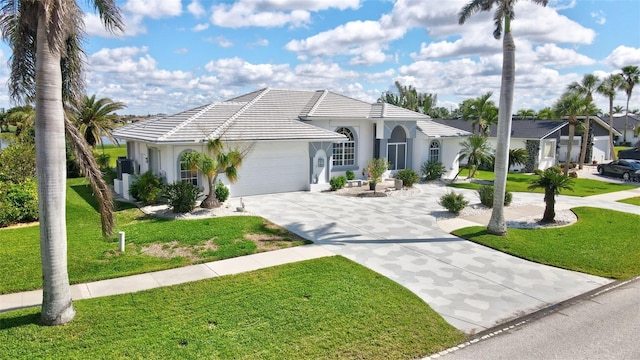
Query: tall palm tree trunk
{"x":585,"y":143}
{"x":51,"y":170}
{"x":567,"y":161}
{"x":611,"y":145}
{"x":497,"y":224}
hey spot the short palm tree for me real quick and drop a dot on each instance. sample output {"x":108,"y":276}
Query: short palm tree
{"x":631,"y":76}
{"x":46,"y":64}
{"x":518,"y":157}
{"x":570,"y":105}
{"x":609,"y":87}
{"x":585,"y":88}
{"x":523,"y":114}
{"x":552,"y":180}
{"x":546,"y":114}
{"x":218,"y":160}
{"x":95,"y":118}
{"x":476,"y":150}
{"x":504,"y":13}
{"x":618,"y":108}
{"x":478,"y":111}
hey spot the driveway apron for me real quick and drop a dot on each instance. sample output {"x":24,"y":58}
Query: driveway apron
{"x":471,"y":286}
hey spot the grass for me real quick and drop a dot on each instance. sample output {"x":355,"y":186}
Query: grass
{"x":114,"y":151}
{"x":173,"y":243}
{"x":520,"y":183}
{"x":632,"y":201}
{"x":329,"y":308}
{"x":602,"y":242}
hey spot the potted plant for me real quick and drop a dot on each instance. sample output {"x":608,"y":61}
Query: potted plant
{"x":375,"y":169}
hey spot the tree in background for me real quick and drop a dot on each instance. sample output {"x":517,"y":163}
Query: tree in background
{"x":504,"y":13}
{"x":517,"y":157}
{"x":571,"y":105}
{"x":476,"y":150}
{"x":45,"y":38}
{"x":618,"y":109}
{"x":630,"y":76}
{"x":23,"y":118}
{"x":480,"y":111}
{"x":609,"y":87}
{"x":524,"y":114}
{"x":409,"y":98}
{"x":95,"y":118}
{"x":546,"y":114}
{"x":585,"y":88}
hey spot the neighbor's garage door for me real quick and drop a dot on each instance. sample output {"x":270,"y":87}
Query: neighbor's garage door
{"x":273,"y":167}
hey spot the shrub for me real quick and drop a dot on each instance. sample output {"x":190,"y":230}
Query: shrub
{"x":18,"y":202}
{"x":453,"y":202}
{"x":350,"y":175}
{"x":376,"y":168}
{"x":573,"y":174}
{"x":485,"y":193}
{"x":146,"y":188}
{"x":182,"y":196}
{"x":432,"y":170}
{"x":337,"y":182}
{"x":408,"y":177}
{"x":222,"y":192}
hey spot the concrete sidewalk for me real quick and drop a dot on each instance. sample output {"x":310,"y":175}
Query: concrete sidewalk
{"x":134,"y":283}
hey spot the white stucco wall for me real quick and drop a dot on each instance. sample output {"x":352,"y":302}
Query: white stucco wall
{"x":364,"y":141}
{"x":449,"y":150}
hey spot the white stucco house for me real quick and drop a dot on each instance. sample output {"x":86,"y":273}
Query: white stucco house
{"x":598,"y":148}
{"x":299,"y":138}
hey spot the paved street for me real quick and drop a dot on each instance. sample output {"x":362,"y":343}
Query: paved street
{"x":602,"y":327}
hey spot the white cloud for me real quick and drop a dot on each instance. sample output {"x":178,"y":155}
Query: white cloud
{"x":623,"y":56}
{"x":181,"y":51}
{"x":155,"y":9}
{"x":259,"y":42}
{"x":599,"y":17}
{"x":220,"y":41}
{"x":196,"y":9}
{"x":200,"y":27}
{"x":273,"y":13}
{"x":552,"y":55}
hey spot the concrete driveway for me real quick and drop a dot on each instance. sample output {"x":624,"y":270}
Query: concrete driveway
{"x":471,"y":286}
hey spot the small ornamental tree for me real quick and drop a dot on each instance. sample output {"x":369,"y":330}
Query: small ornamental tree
{"x":218,"y":160}
{"x":552,"y":180}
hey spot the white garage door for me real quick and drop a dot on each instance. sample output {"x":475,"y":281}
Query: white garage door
{"x":273,"y":167}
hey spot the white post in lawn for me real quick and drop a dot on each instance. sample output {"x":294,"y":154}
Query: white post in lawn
{"x":121,"y":241}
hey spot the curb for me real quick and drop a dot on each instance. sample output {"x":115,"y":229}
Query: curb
{"x":534,"y":316}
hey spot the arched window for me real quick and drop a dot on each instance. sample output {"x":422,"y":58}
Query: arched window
{"x":344,"y":153}
{"x":397,"y":149}
{"x":186,"y":173}
{"x":434,"y":151}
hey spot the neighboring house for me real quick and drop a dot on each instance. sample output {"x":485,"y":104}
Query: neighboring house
{"x":632,"y":123}
{"x":299,"y":138}
{"x":599,"y":149}
{"x":539,"y":137}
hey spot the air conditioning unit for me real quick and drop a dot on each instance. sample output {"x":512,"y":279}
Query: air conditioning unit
{"x":124,"y":166}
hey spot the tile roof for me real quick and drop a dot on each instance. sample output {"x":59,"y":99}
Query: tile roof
{"x":265,"y":114}
{"x":527,"y":129}
{"x":433,"y":129}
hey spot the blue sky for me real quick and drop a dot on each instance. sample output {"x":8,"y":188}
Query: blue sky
{"x":175,"y":55}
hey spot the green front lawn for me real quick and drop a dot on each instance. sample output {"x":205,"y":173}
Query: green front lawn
{"x":519,"y":183}
{"x":602,"y":242}
{"x":152,"y":243}
{"x":328,"y":308}
{"x":114,"y":151}
{"x":632,"y":201}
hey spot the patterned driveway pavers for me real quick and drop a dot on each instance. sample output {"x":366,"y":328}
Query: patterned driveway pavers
{"x":471,"y":286}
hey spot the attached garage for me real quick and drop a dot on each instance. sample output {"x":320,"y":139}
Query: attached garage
{"x":273,"y":167}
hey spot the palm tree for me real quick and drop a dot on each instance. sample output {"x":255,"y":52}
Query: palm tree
{"x":546,"y":113}
{"x":618,"y":108}
{"x":504,"y":12}
{"x":518,"y":157}
{"x":476,"y":150}
{"x":95,"y":118}
{"x":218,"y":161}
{"x":631,"y":76}
{"x":479,"y":111}
{"x":570,"y":105}
{"x":609,"y":87}
{"x":585,"y":88}
{"x":409,"y":98}
{"x":552,"y":180}
{"x":523,"y":114}
{"x":46,"y":64}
